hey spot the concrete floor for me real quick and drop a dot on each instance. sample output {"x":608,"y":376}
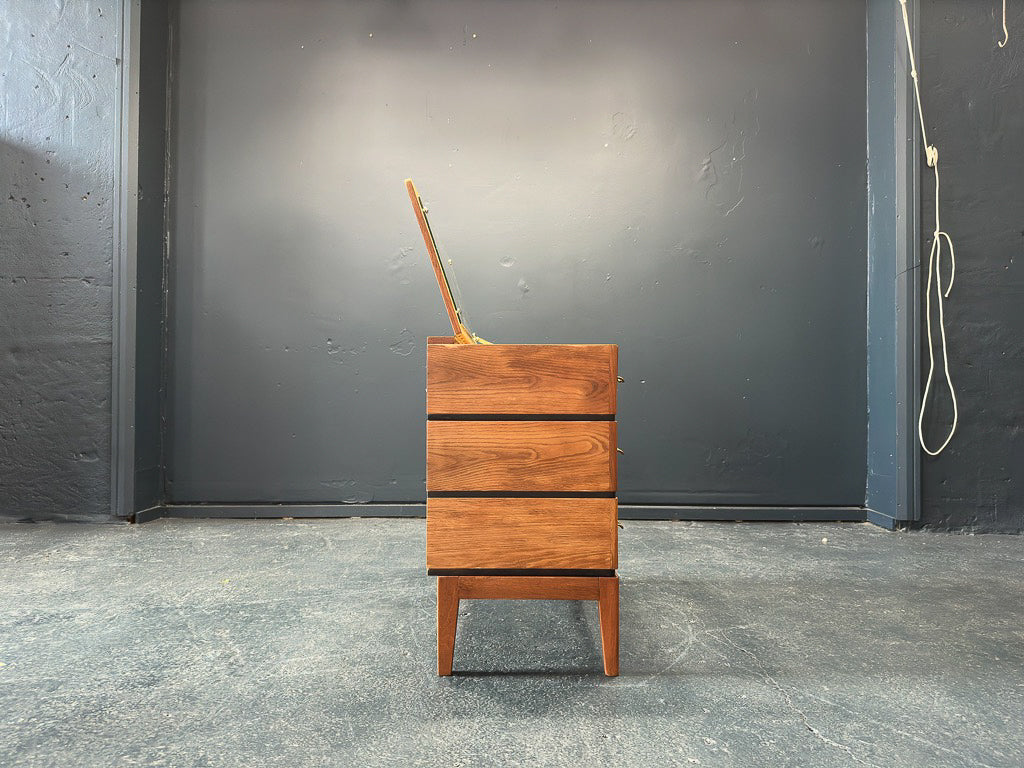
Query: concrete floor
{"x":310,"y":643}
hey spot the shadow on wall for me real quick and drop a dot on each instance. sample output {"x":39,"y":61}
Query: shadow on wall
{"x":55,"y":340}
{"x":260,"y":402}
{"x":588,"y":194}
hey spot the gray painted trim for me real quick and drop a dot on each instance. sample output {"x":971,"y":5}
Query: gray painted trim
{"x":167,"y":362}
{"x":148,"y":515}
{"x":742,"y":514}
{"x":884,"y":521}
{"x":61,"y":517}
{"x":908,"y":304}
{"x":893,"y":486}
{"x":626,"y":512}
{"x":278,"y":511}
{"x":123,"y":265}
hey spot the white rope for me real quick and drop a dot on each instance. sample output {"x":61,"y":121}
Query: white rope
{"x":934,"y":268}
{"x":1006,"y":32}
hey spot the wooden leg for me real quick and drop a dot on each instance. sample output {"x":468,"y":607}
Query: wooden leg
{"x":447,"y":618}
{"x":608,"y":611}
{"x":452,"y":589}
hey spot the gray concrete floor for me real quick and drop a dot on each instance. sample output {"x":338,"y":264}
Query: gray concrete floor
{"x":309,"y":643}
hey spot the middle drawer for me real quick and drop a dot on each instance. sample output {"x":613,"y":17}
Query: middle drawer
{"x":521,"y":456}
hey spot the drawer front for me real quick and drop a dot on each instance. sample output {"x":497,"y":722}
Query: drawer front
{"x":521,"y":378}
{"x":521,"y":456}
{"x":522,"y":533}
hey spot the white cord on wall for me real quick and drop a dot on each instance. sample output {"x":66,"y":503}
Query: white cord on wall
{"x":934,"y":268}
{"x":1006,"y":32}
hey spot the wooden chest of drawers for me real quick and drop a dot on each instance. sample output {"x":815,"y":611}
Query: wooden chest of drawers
{"x":521,"y":478}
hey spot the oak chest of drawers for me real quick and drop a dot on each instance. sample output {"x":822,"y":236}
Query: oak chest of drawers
{"x":521,"y":478}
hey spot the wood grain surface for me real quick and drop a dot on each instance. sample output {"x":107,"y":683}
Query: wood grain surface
{"x":608,"y":616}
{"x":528,"y":587}
{"x":521,"y":378}
{"x":452,"y":589}
{"x":447,"y":620}
{"x":521,"y":456}
{"x":522,"y":533}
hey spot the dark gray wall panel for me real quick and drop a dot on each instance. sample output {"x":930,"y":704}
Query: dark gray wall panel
{"x":685,"y":179}
{"x":58,"y":107}
{"x":973,"y":96}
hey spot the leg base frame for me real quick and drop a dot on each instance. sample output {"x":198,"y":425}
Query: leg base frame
{"x":452,"y":589}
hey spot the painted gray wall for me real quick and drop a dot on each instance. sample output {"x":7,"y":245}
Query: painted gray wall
{"x":55,"y":258}
{"x":58,"y":107}
{"x":973,"y":96}
{"x":684,"y":179}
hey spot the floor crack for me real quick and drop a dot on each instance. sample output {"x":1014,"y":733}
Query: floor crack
{"x":791,"y":704}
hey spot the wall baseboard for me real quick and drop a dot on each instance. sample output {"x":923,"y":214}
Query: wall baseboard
{"x":885,"y":521}
{"x":626,"y":512}
{"x":31,"y":518}
{"x":749,"y":514}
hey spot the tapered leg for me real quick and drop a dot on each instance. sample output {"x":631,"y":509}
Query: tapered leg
{"x":447,"y":617}
{"x":608,"y":612}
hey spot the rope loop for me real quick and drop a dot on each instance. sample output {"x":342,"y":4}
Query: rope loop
{"x":935,"y":267}
{"x":931,"y":153}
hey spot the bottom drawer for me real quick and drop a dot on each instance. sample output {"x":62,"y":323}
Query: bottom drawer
{"x":522,"y":533}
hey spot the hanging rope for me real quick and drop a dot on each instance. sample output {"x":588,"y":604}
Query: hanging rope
{"x":934,"y":268}
{"x":1006,"y":32}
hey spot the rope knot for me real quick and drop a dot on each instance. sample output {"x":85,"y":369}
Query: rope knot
{"x":932,"y":154}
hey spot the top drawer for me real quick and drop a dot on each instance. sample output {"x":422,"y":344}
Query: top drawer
{"x":521,"y":378}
